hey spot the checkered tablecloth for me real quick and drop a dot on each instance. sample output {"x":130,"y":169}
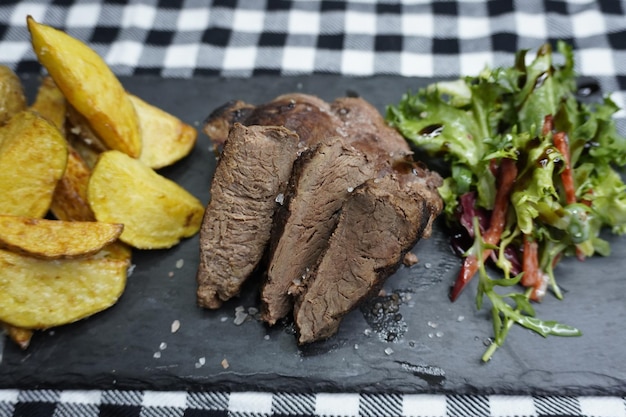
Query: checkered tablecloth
{"x":245,"y":38}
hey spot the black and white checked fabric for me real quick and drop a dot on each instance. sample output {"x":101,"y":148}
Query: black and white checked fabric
{"x":245,"y":38}
{"x":257,"y":404}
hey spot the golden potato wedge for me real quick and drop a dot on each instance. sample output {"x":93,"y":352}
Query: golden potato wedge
{"x":38,"y":294}
{"x":89,"y":85}
{"x":55,"y":239}
{"x":156,"y":212}
{"x":69,"y":201}
{"x":33,"y":156}
{"x":51,"y":104}
{"x":166,"y":138}
{"x":18,"y":335}
{"x":12,"y":98}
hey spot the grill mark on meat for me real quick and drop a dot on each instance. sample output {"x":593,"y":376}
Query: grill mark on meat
{"x":322,"y":178}
{"x":379,"y":223}
{"x":254,"y":168}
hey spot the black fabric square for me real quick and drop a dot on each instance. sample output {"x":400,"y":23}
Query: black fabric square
{"x":617,"y":40}
{"x":265,"y":71}
{"x":621,"y":82}
{"x":553,"y":6}
{"x":110,"y":410}
{"x":388,"y":8}
{"x":448,"y":8}
{"x":505,"y":42}
{"x":272,"y":39}
{"x":334,"y":42}
{"x":225,"y":3}
{"x":39,"y":409}
{"x":104,"y":34}
{"x":500,"y":7}
{"x":59,"y":2}
{"x":194,"y":412}
{"x":205,"y":72}
{"x":147,"y":71}
{"x":331,"y":6}
{"x":159,"y":37}
{"x":445,"y":46}
{"x":273,"y":5}
{"x":611,"y":7}
{"x":27,"y":66}
{"x":388,"y":43}
{"x":216,"y":36}
{"x":170,"y":4}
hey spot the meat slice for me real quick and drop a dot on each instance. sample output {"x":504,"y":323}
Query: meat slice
{"x":322,"y":179}
{"x":253,"y":170}
{"x":379,"y":223}
{"x":362,"y":122}
{"x":307,"y":115}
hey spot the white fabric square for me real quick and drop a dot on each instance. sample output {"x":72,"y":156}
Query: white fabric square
{"x":193,"y":19}
{"x":417,"y":25}
{"x":423,"y":405}
{"x":239,"y":58}
{"x":357,"y":62}
{"x":248,"y":21}
{"x":361,"y":23}
{"x":595,"y":61}
{"x":473,"y":63}
{"x":303,"y":23}
{"x":602,"y":406}
{"x":13,"y":52}
{"x":83,"y":15}
{"x":416,"y":65}
{"x":298,"y":59}
{"x":176,"y":399}
{"x":530,"y":25}
{"x":182,"y":56}
{"x":124,"y":53}
{"x":254,"y":403}
{"x":37,"y":11}
{"x":588,"y":23}
{"x":345,"y":405}
{"x":81,"y":397}
{"x":512,"y":406}
{"x":9,"y":395}
{"x":138,"y":15}
{"x":473,"y":27}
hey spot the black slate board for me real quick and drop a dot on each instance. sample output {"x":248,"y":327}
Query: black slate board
{"x":131,"y":346}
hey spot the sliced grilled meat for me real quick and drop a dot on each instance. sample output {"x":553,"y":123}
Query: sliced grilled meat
{"x":253,"y":170}
{"x":379,"y":223}
{"x":310,"y":117}
{"x":322,"y":179}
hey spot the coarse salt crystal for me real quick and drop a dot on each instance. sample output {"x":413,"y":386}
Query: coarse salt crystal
{"x":280,"y":198}
{"x":156,"y":355}
{"x":225,"y":363}
{"x":388,"y":351}
{"x":175,"y":326}
{"x":180,"y":263}
{"x":163,"y":346}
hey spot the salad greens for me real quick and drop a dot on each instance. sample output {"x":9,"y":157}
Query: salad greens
{"x":532,"y":177}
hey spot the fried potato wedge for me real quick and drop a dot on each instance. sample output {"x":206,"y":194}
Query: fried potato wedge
{"x":33,"y":156}
{"x":18,"y":335}
{"x":156,"y":212}
{"x":69,"y":201}
{"x":89,"y":85}
{"x":55,"y":239}
{"x":166,"y":138}
{"x":51,"y":104}
{"x":38,"y":294}
{"x":12,"y":98}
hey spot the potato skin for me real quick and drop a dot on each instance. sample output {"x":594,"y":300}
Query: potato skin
{"x":12,"y":98}
{"x":89,"y":85}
